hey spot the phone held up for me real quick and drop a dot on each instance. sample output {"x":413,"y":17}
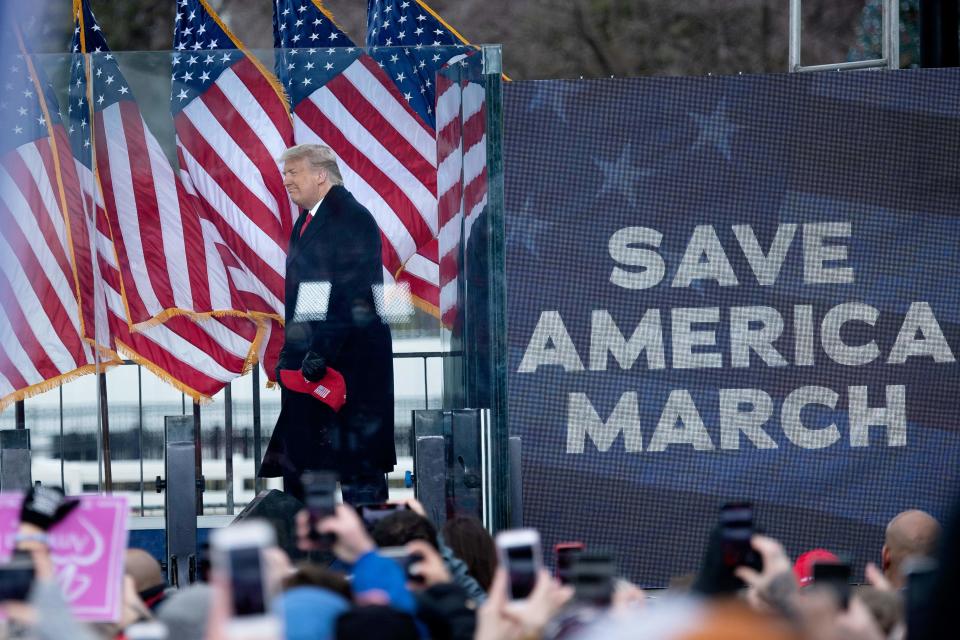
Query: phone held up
{"x":320,"y":499}
{"x":566,"y":554}
{"x":593,"y":576}
{"x":519,"y":554}
{"x":836,"y":577}
{"x":238,"y":557}
{"x":736,"y":530}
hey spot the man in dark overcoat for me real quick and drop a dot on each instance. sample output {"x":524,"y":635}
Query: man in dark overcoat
{"x":334,"y":275}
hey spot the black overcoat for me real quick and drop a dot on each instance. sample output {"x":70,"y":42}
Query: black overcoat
{"x":340,"y":246}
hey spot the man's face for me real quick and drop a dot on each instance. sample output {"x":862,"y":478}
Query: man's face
{"x":303,"y":182}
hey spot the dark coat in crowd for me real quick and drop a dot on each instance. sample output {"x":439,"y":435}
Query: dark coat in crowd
{"x":340,"y":248}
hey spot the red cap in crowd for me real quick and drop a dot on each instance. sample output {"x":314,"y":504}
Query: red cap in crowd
{"x":330,"y":389}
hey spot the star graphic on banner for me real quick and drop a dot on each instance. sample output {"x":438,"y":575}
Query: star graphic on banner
{"x":622,"y":175}
{"x":548,"y":95}
{"x":524,"y":229}
{"x":715,"y":130}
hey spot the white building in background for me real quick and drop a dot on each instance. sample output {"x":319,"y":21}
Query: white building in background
{"x":79,"y":470}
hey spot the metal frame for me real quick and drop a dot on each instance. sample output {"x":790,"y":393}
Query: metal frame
{"x":500,"y":508}
{"x":15,"y":465}
{"x":229,"y":432}
{"x":890,"y":42}
{"x":183,"y":491}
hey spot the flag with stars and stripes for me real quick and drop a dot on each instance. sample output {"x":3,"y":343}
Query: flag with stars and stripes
{"x":42,"y":335}
{"x":462,"y":176}
{"x":430,"y":44}
{"x":341,"y":97}
{"x":232,"y":125}
{"x":412,"y":69}
{"x":156,"y":226}
{"x":198,"y":355}
{"x":412,"y":43}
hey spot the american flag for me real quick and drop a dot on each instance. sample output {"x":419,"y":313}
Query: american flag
{"x":197,"y":355}
{"x":342,"y":98}
{"x":429,"y":44}
{"x":41,"y":337}
{"x":419,"y":43}
{"x":462,"y":177}
{"x":156,"y":227}
{"x":233,"y":123}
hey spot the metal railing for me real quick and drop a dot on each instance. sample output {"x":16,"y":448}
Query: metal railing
{"x":135,"y":475}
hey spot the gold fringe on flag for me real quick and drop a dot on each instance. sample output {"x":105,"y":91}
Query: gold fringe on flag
{"x":156,"y":370}
{"x":52,"y":383}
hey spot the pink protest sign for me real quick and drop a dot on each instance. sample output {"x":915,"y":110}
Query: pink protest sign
{"x":87,"y":549}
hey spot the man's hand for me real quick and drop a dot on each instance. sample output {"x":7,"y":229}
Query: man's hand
{"x":431,"y":570}
{"x":351,"y":540}
{"x":547,"y":598}
{"x":627,"y":597}
{"x":416,"y":506}
{"x":502,"y":618}
{"x":492,"y":624}
{"x":776,"y":570}
{"x":818,"y":616}
{"x":314,"y":366}
{"x":876,"y":578}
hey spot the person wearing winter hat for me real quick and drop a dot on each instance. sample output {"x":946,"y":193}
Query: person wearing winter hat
{"x":186,"y":612}
{"x":310,"y":613}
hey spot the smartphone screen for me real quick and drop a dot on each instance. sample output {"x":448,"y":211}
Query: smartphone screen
{"x":593,"y":576}
{"x":320,"y":499}
{"x":320,"y":494}
{"x":836,"y":576}
{"x":246,"y":581}
{"x":522,"y":569}
{"x":736,"y":529}
{"x":374,"y":513}
{"x":566,"y":554}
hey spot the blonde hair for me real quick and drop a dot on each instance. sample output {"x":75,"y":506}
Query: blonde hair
{"x":320,"y":157}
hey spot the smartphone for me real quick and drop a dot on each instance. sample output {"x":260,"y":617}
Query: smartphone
{"x":16,"y":577}
{"x":835,"y":576}
{"x":593,"y":575}
{"x":736,"y":530}
{"x":320,"y":499}
{"x":374,"y":513}
{"x":404,"y":559}
{"x":238,"y":557}
{"x":519,"y":553}
{"x":565,"y":554}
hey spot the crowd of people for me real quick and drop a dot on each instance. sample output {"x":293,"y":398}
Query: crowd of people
{"x":450,"y":583}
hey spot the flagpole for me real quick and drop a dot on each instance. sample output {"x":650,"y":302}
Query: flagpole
{"x":104,"y":428}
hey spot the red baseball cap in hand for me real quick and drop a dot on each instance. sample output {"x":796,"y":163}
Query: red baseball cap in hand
{"x":803,"y":567}
{"x":330,"y":389}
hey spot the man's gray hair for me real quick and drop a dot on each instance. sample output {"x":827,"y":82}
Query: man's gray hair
{"x":319,"y":156}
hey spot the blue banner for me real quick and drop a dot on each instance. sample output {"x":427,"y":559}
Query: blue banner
{"x":733,"y":288}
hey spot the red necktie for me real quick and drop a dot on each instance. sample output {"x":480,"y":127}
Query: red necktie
{"x":305,"y":223}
